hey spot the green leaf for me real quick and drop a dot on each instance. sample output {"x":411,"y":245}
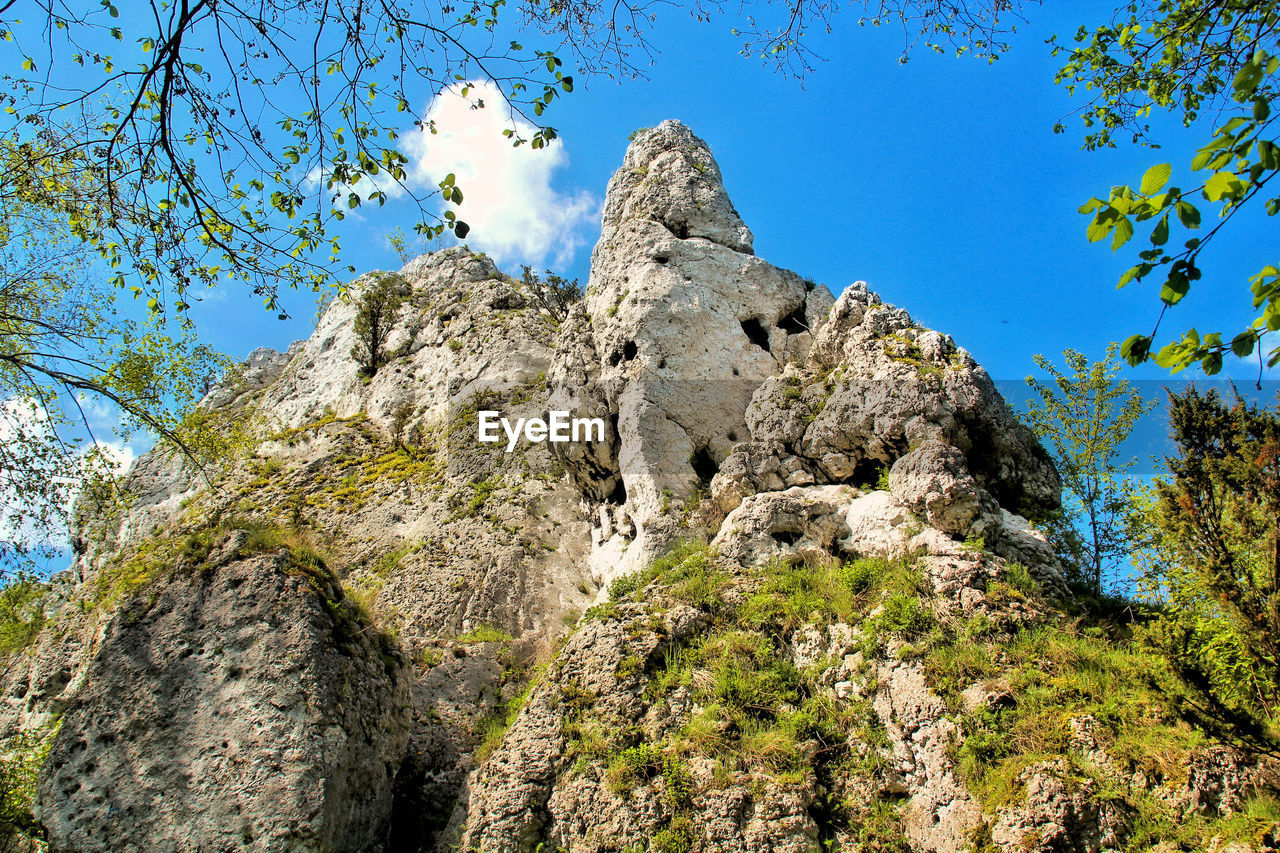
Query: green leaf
{"x":1169,"y":355}
{"x":1155,"y":178}
{"x":1246,"y":80}
{"x":1242,"y":344}
{"x":1124,"y":230}
{"x":1175,"y":287}
{"x":461,"y":229}
{"x":1188,"y":215}
{"x":1091,"y":205}
{"x":1268,"y":154}
{"x":1135,"y":349}
{"x":1222,"y":185}
{"x":1160,"y":234}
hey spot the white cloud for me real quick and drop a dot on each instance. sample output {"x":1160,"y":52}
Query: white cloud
{"x":514,"y":212}
{"x":118,"y":454}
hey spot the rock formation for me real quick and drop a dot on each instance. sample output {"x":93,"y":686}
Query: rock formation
{"x":791,"y":601}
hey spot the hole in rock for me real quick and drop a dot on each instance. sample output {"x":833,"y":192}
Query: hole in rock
{"x":615,"y":359}
{"x":660,"y":259}
{"x":786,"y":537}
{"x":735,"y":371}
{"x":704,"y":465}
{"x":619,"y":494}
{"x":662,"y":362}
{"x":732,"y":436}
{"x":756,"y":333}
{"x":793,"y":323}
{"x":680,"y":229}
{"x":629,"y":350}
{"x":415,"y":814}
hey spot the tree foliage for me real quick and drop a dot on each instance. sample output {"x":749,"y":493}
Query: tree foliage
{"x":235,"y":137}
{"x":1200,"y":58}
{"x":553,"y":294}
{"x":1211,"y":539}
{"x":64,"y":346}
{"x":1085,"y":414}
{"x":376,"y":314}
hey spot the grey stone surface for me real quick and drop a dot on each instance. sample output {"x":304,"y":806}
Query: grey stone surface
{"x":244,"y":707}
{"x":228,"y":704}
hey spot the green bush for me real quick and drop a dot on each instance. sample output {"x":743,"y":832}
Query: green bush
{"x":1212,"y":576}
{"x":21,"y":612}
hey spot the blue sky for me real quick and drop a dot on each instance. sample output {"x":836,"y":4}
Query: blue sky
{"x":939,"y":182}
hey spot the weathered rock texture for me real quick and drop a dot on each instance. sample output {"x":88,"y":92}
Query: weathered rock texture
{"x":348,"y":632}
{"x":239,"y":706}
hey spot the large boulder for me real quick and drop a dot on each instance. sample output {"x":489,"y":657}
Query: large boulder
{"x":243,"y":707}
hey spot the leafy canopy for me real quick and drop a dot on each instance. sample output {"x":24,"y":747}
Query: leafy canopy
{"x":230,"y":140}
{"x":1199,"y":58}
{"x":64,"y":346}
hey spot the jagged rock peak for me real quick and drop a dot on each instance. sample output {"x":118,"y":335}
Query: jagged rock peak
{"x":669,"y":176}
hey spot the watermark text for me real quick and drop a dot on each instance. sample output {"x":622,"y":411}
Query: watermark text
{"x":558,"y":427}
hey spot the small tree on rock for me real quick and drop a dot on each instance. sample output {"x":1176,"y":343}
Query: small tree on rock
{"x":1085,"y":415}
{"x":553,"y":294}
{"x":376,"y":315}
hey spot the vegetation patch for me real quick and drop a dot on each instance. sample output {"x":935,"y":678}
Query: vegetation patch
{"x":21,"y":612}
{"x":762,"y":719}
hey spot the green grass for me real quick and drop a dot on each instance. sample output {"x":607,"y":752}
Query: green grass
{"x":21,"y":612}
{"x":492,"y":728}
{"x":1046,"y":674}
{"x":753,"y":712}
{"x":485,"y":634}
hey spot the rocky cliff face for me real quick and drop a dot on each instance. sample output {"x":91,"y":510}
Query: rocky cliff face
{"x":790,"y":601}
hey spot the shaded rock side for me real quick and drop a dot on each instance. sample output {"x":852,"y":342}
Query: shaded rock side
{"x":472,"y":557}
{"x":245,"y":707}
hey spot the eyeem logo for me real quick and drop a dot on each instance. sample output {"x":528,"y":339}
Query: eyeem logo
{"x":558,"y":428}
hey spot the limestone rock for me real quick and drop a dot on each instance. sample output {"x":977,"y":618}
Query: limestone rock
{"x":942,"y":812}
{"x":798,"y":522}
{"x":234,"y":700}
{"x":241,"y":708}
{"x":934,"y":481}
{"x":685,"y":323}
{"x":669,"y":176}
